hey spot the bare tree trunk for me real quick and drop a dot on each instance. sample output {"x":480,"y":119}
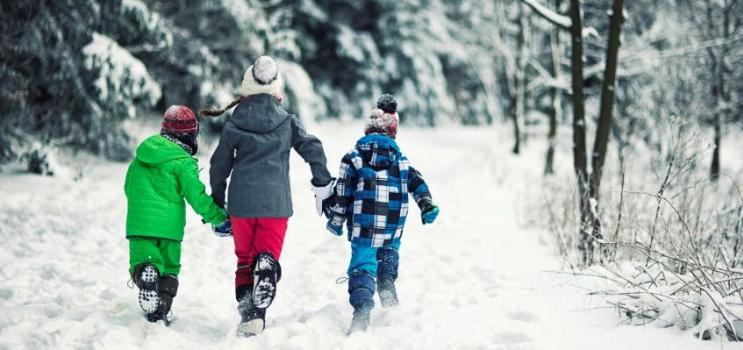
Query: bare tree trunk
{"x":525,"y":101}
{"x":605,"y":113}
{"x":579,"y":128}
{"x":516,"y":94}
{"x":718,"y":90}
{"x":590,"y":225}
{"x":554,"y":108}
{"x":715,"y":166}
{"x":715,"y":94}
{"x":513,"y":112}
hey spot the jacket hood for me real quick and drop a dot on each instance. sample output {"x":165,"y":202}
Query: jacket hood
{"x":379,"y":151}
{"x":157,"y":149}
{"x":259,"y":113}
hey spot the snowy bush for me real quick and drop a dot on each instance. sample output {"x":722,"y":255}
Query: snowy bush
{"x":672,"y":240}
{"x":123,"y":81}
{"x":41,"y":161}
{"x":703,"y":299}
{"x":302,"y":96}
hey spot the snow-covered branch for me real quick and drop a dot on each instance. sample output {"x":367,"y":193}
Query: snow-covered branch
{"x":121,"y":77}
{"x":553,"y":17}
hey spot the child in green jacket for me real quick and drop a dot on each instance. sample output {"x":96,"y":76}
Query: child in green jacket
{"x":162,"y":174}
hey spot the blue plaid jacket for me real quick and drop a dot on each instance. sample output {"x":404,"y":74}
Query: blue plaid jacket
{"x":372,"y":192}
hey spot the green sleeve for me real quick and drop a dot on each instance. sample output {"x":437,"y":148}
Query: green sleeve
{"x":195,"y":193}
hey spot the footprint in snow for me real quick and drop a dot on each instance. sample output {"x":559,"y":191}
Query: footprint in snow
{"x":523,"y":316}
{"x":511,"y":338}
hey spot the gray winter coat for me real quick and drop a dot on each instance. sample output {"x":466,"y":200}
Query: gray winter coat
{"x":254,"y":147}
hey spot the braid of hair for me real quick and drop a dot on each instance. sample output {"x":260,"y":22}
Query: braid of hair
{"x":211,"y":112}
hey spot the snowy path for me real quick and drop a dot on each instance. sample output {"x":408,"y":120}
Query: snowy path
{"x":471,"y":281}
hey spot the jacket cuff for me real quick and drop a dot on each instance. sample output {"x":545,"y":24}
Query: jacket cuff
{"x":336,"y":220}
{"x":424,"y":202}
{"x":319,"y":183}
{"x":218,"y":200}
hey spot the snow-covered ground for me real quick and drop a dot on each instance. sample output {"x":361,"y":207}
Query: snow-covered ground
{"x":473,"y":280}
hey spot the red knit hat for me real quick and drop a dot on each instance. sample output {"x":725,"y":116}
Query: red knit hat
{"x":180,"y":120}
{"x":384,"y":119}
{"x":381,"y":122}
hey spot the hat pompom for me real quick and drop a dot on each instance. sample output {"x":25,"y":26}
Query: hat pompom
{"x":262,"y":78}
{"x":387,"y":103}
{"x":265,"y":70}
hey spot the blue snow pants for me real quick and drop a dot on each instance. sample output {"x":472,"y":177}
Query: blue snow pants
{"x":364,"y":258}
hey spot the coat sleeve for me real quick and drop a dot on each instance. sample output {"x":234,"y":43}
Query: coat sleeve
{"x":344,"y":191}
{"x":126,"y":179}
{"x":310,"y":149}
{"x":221,"y":167}
{"x":418,"y":187}
{"x":195,"y":193}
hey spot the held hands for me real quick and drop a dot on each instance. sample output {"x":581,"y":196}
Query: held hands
{"x":327,"y":205}
{"x":334,"y":229}
{"x":223,"y":230}
{"x":323,"y":197}
{"x":429,"y":213}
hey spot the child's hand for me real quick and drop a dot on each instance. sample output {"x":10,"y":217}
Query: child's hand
{"x":336,"y":230}
{"x":327,"y":205}
{"x":223,"y":230}
{"x":429,"y":214}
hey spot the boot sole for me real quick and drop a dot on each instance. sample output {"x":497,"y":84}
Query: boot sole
{"x":264,"y":291}
{"x":149,"y":298}
{"x":264,"y":287}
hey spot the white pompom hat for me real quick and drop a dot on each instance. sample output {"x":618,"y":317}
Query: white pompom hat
{"x":262,"y":78}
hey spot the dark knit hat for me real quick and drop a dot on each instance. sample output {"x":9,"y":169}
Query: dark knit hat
{"x":180,"y":120}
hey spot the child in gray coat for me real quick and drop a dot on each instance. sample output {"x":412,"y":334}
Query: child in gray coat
{"x":254,"y":151}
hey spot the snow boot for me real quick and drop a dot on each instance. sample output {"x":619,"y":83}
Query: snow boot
{"x":168,"y":290}
{"x":147,"y":278}
{"x":360,"y":321}
{"x":252,"y":319}
{"x":388,"y":261}
{"x":361,"y":297}
{"x":266,"y":273}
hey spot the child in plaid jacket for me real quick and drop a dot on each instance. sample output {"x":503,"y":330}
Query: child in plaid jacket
{"x":371,"y":196}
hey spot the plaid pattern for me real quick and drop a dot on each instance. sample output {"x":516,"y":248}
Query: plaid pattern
{"x":372,"y":192}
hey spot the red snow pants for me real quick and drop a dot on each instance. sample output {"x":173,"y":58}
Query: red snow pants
{"x":254,"y":236}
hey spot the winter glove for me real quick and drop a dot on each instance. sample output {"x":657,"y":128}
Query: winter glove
{"x":322,"y":193}
{"x":328,"y":204}
{"x":334,"y":229}
{"x":223,"y":230}
{"x":429,"y":213}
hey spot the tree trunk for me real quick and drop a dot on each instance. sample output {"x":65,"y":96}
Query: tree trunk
{"x":516,"y":94}
{"x":524,"y":99}
{"x":718,"y":90}
{"x":579,"y":126}
{"x":605,"y":113}
{"x":715,"y":166}
{"x":554,"y":107}
{"x":513,"y":112}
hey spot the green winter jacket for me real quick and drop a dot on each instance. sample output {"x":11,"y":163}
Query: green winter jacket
{"x":161,"y":175}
